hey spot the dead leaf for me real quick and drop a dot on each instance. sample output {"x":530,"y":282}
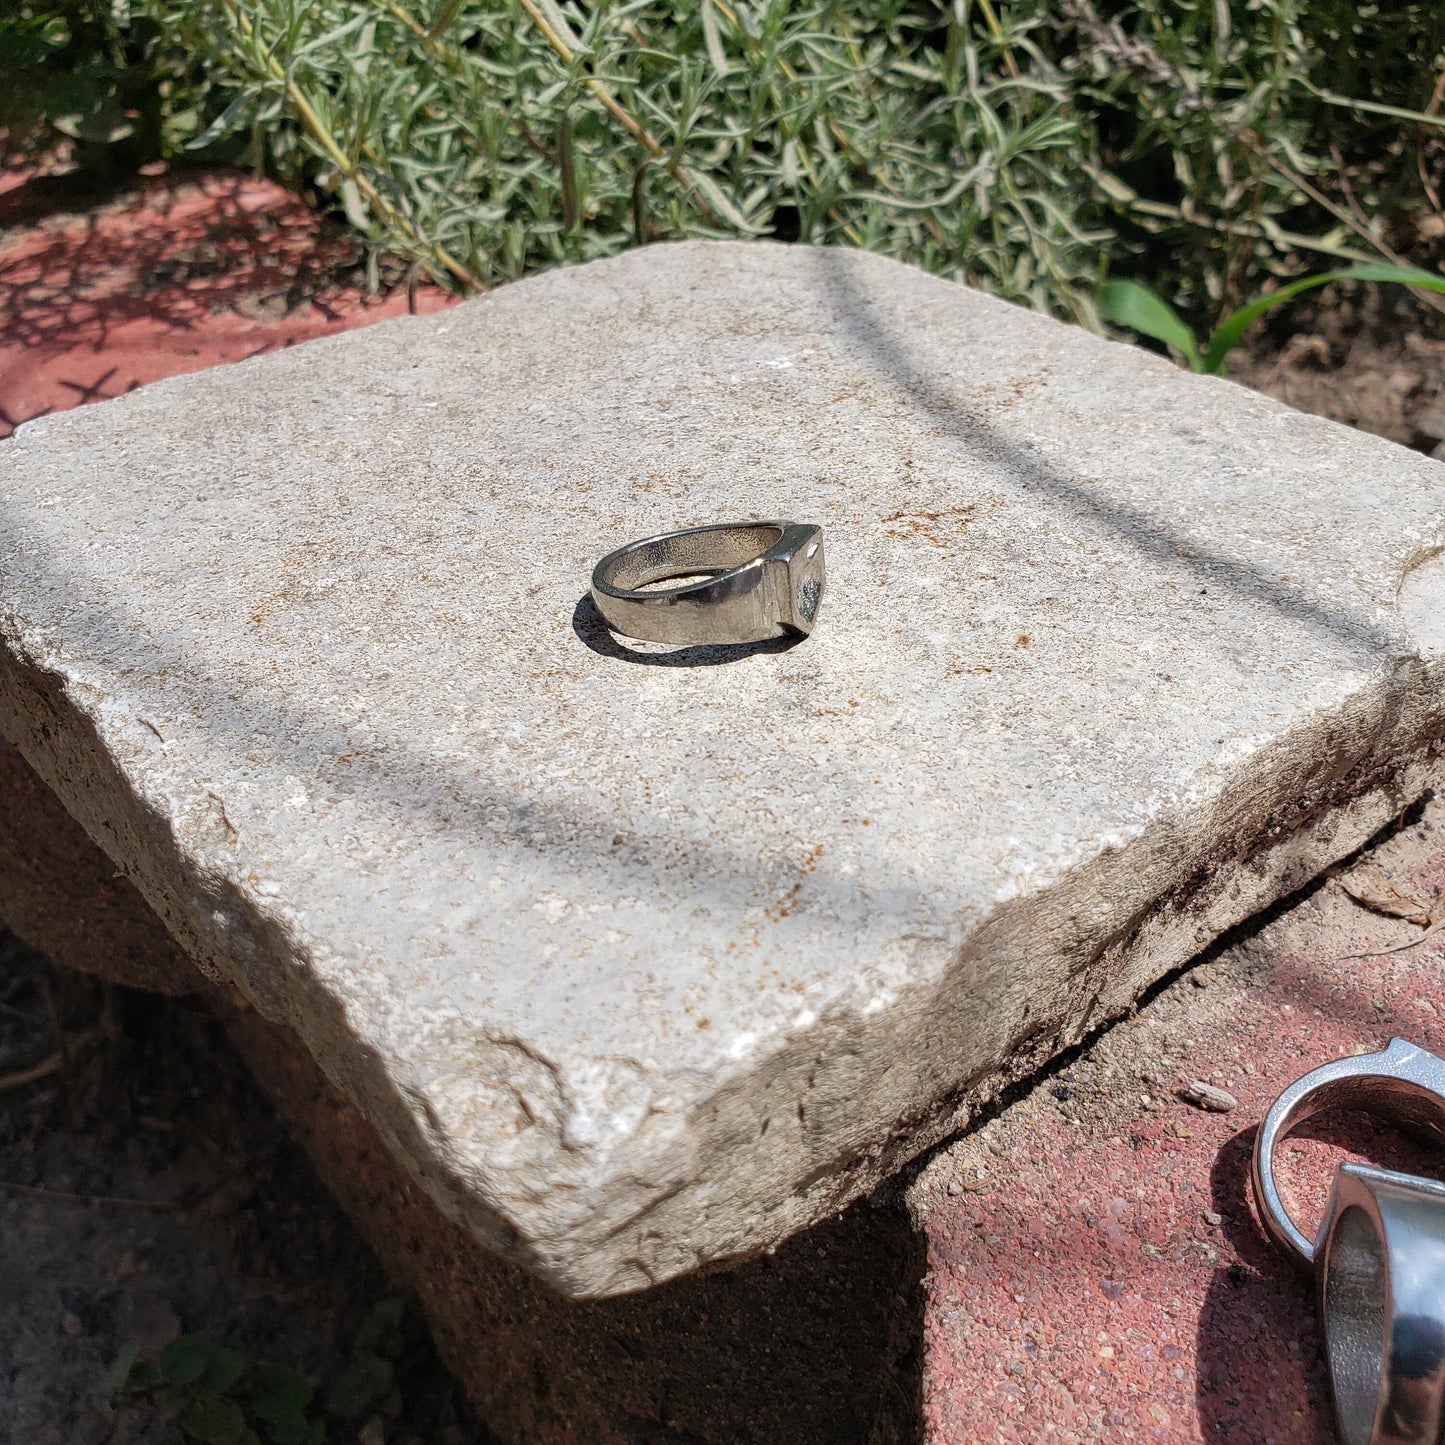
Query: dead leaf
{"x":1368,"y":885}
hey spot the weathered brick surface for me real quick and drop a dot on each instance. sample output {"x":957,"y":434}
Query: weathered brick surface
{"x":1096,"y":1271}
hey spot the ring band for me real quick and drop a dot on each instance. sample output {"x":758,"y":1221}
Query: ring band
{"x":763,"y":580}
{"x":1381,"y":1284}
{"x":1404,"y":1084}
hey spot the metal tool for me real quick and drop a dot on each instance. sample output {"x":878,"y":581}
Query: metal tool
{"x":1379,"y":1260}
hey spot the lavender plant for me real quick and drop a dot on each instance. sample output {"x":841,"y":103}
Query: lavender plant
{"x":1032,"y":147}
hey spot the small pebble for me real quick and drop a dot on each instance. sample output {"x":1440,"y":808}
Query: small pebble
{"x":71,"y":1324}
{"x":1210,"y":1217}
{"x":1207,"y":1096}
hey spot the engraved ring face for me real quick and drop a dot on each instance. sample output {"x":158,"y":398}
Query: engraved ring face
{"x":749,"y":582}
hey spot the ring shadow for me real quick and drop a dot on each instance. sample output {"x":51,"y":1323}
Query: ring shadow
{"x":591,"y":627}
{"x":1264,"y":1306}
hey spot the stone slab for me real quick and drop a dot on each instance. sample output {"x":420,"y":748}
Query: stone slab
{"x":1096,"y":1270}
{"x":642,"y":960}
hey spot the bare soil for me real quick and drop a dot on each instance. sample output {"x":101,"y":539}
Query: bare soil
{"x":147,"y":1188}
{"x":1368,"y":356}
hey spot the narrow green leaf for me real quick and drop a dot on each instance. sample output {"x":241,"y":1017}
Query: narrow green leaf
{"x":712,"y":39}
{"x":1226,"y":335}
{"x":228,"y":120}
{"x":639,"y":205}
{"x":329,"y":39}
{"x":712,"y":193}
{"x":444,"y":17}
{"x":567,"y":174}
{"x":1128,"y":303}
{"x":354,"y":205}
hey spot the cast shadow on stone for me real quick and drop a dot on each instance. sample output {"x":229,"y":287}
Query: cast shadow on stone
{"x":1056,"y":490}
{"x":1266,"y":1301}
{"x":818,"y":1343}
{"x":592,"y":629}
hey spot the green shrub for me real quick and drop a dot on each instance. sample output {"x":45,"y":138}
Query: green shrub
{"x":105,"y":78}
{"x":214,"y":1392}
{"x":1033,"y":147}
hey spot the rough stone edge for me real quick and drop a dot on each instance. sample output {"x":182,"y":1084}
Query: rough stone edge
{"x":1304,"y":802}
{"x":1312,"y":797}
{"x":96,"y":923}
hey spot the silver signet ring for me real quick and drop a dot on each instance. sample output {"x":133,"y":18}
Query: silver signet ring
{"x":1381,"y":1283}
{"x":751,"y":582}
{"x":1403,"y":1084}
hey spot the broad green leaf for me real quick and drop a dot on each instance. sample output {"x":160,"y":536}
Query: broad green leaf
{"x":1226,"y":335}
{"x":385,"y":1319}
{"x":279,"y":1392}
{"x":360,"y":1386}
{"x":223,"y":1369}
{"x":119,"y":1374}
{"x":291,"y":1429}
{"x":1128,"y":303}
{"x":184,"y":1360}
{"x":214,"y":1417}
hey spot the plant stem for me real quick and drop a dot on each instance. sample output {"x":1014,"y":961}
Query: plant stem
{"x":639,"y":132}
{"x":348,"y":168}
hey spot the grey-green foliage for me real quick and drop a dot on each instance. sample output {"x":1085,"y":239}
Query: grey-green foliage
{"x":1030,"y":146}
{"x":1234,"y":135}
{"x":487,"y":139}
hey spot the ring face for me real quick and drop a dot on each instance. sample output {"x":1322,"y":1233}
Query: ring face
{"x":1381,"y":1284}
{"x":759,"y":581}
{"x":1380,"y":1256}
